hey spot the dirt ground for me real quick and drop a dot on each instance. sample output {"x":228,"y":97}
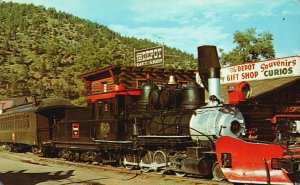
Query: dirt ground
{"x":27,"y":169}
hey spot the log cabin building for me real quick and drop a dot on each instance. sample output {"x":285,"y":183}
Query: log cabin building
{"x":126,"y":79}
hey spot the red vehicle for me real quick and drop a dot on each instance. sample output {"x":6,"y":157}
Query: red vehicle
{"x":257,"y":162}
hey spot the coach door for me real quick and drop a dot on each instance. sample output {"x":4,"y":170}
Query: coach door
{"x":42,"y":128}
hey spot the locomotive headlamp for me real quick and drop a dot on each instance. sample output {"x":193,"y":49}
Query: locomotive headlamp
{"x":235,"y":127}
{"x":238,"y":92}
{"x":246,"y":90}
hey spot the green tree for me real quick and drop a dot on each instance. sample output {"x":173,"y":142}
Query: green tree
{"x":250,"y":46}
{"x":42,"y":52}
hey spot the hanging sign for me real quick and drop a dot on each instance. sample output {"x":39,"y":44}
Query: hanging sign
{"x":275,"y":68}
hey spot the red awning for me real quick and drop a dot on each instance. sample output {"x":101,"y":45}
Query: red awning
{"x":112,"y":94}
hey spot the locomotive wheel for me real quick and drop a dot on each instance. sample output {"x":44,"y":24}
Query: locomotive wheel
{"x":217,"y":172}
{"x":61,"y":154}
{"x":44,"y":152}
{"x":160,"y":159}
{"x":11,"y":148}
{"x":129,"y":167}
{"x":120,"y":161}
{"x":145,"y":169}
{"x":146,"y":158}
{"x":8,"y":147}
{"x":77,"y":157}
{"x":35,"y":150}
{"x":130,"y":158}
{"x":70,"y":155}
{"x":180,"y":174}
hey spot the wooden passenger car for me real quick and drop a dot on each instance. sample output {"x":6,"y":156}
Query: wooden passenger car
{"x":29,"y":125}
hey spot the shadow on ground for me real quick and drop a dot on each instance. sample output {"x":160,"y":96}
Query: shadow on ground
{"x":21,"y":177}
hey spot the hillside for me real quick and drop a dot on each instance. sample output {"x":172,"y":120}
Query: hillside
{"x":42,"y":51}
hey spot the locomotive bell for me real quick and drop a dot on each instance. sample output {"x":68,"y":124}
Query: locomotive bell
{"x":172,"y":80}
{"x":193,"y":96}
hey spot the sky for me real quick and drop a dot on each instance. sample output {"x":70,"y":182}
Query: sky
{"x":187,"y":24}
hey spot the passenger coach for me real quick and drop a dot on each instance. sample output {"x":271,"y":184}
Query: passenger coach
{"x":27,"y":126}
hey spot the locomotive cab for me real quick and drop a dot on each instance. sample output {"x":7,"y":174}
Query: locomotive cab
{"x":103,"y":119}
{"x":97,"y":132}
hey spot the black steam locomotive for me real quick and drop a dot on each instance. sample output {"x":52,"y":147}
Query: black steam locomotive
{"x":166,"y":128}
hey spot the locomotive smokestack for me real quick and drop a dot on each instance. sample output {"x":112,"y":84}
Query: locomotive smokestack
{"x":209,"y":69}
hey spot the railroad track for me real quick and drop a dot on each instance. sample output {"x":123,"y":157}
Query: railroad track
{"x":128,"y":174}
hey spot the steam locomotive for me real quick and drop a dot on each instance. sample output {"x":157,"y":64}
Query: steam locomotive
{"x":166,"y":128}
{"x":155,"y":128}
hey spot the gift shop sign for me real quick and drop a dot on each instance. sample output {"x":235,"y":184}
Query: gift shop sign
{"x":149,"y":57}
{"x":275,"y":68}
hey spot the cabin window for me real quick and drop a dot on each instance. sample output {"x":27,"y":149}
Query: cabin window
{"x":104,"y":86}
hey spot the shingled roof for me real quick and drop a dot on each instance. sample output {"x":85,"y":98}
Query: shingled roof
{"x":262,"y":87}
